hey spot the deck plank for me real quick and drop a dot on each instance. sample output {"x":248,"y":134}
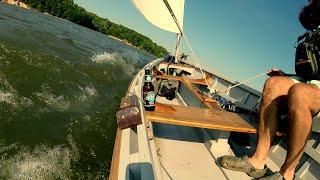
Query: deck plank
{"x":198,"y":117}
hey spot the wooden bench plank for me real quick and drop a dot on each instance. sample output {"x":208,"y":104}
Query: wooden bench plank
{"x":176,"y":65}
{"x":178,"y":78}
{"x":198,"y":117}
{"x":164,"y":76}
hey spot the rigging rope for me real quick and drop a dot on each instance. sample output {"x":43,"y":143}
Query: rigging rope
{"x":198,"y":63}
{"x":182,"y":34}
{"x":242,"y":82}
{"x":207,"y":83}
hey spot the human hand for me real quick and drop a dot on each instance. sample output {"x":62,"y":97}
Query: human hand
{"x":275,"y":72}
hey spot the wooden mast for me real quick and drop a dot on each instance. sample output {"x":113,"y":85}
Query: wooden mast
{"x":179,"y":35}
{"x":176,"y":50}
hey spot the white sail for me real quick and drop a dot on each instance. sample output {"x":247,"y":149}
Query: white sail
{"x":158,"y":14}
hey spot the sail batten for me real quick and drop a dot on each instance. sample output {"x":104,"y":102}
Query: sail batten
{"x":156,"y":12}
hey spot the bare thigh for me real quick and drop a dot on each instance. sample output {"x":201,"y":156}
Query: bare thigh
{"x":304,"y":94}
{"x":276,"y":88}
{"x":300,"y":94}
{"x":276,"y":91}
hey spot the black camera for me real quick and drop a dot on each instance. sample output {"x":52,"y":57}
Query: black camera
{"x":307,"y":59}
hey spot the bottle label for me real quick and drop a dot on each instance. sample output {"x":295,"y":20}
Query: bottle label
{"x":148,"y":78}
{"x":149,"y":99}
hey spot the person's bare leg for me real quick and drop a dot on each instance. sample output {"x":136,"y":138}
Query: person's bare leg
{"x":275,"y":90}
{"x":303,"y":102}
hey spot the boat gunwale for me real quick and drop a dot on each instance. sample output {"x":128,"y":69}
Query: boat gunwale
{"x":115,"y":161}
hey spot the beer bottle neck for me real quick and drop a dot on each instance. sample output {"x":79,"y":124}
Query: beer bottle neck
{"x":147,"y":72}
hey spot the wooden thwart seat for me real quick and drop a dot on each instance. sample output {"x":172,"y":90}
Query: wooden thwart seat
{"x":178,"y":78}
{"x":200,"y":118}
{"x":172,"y":65}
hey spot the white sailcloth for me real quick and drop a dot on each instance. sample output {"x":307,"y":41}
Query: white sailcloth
{"x":158,"y":14}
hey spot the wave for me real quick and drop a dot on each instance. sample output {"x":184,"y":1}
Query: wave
{"x":58,"y":103}
{"x":6,"y":97}
{"x":115,"y":58}
{"x":86,"y":92}
{"x":42,"y":162}
{"x":9,"y":95}
{"x":106,"y":57}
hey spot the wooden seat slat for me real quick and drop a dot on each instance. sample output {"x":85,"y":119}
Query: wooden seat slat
{"x":194,"y":81}
{"x":198,"y":117}
{"x":176,"y":65}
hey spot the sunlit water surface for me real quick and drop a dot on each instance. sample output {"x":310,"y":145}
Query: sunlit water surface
{"x":60,"y":85}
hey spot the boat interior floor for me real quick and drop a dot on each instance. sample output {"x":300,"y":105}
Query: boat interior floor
{"x":182,"y":153}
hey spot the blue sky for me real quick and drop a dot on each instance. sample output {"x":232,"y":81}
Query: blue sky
{"x":236,"y":38}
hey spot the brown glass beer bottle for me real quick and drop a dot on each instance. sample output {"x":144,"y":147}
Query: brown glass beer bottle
{"x":148,"y":92}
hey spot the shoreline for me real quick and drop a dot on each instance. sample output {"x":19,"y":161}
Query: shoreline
{"x":25,"y":6}
{"x":16,"y":3}
{"x":123,"y":40}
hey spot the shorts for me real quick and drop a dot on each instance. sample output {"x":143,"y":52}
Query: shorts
{"x":297,"y":79}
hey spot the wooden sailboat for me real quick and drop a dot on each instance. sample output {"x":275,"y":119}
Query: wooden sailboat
{"x":184,"y":137}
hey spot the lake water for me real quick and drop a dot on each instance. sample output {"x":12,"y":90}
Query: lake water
{"x":60,"y":86}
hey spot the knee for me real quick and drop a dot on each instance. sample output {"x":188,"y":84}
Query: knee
{"x":297,"y":97}
{"x":272,"y":81}
{"x":272,"y":87}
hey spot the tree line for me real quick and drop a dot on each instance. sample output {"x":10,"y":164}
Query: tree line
{"x":67,"y":9}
